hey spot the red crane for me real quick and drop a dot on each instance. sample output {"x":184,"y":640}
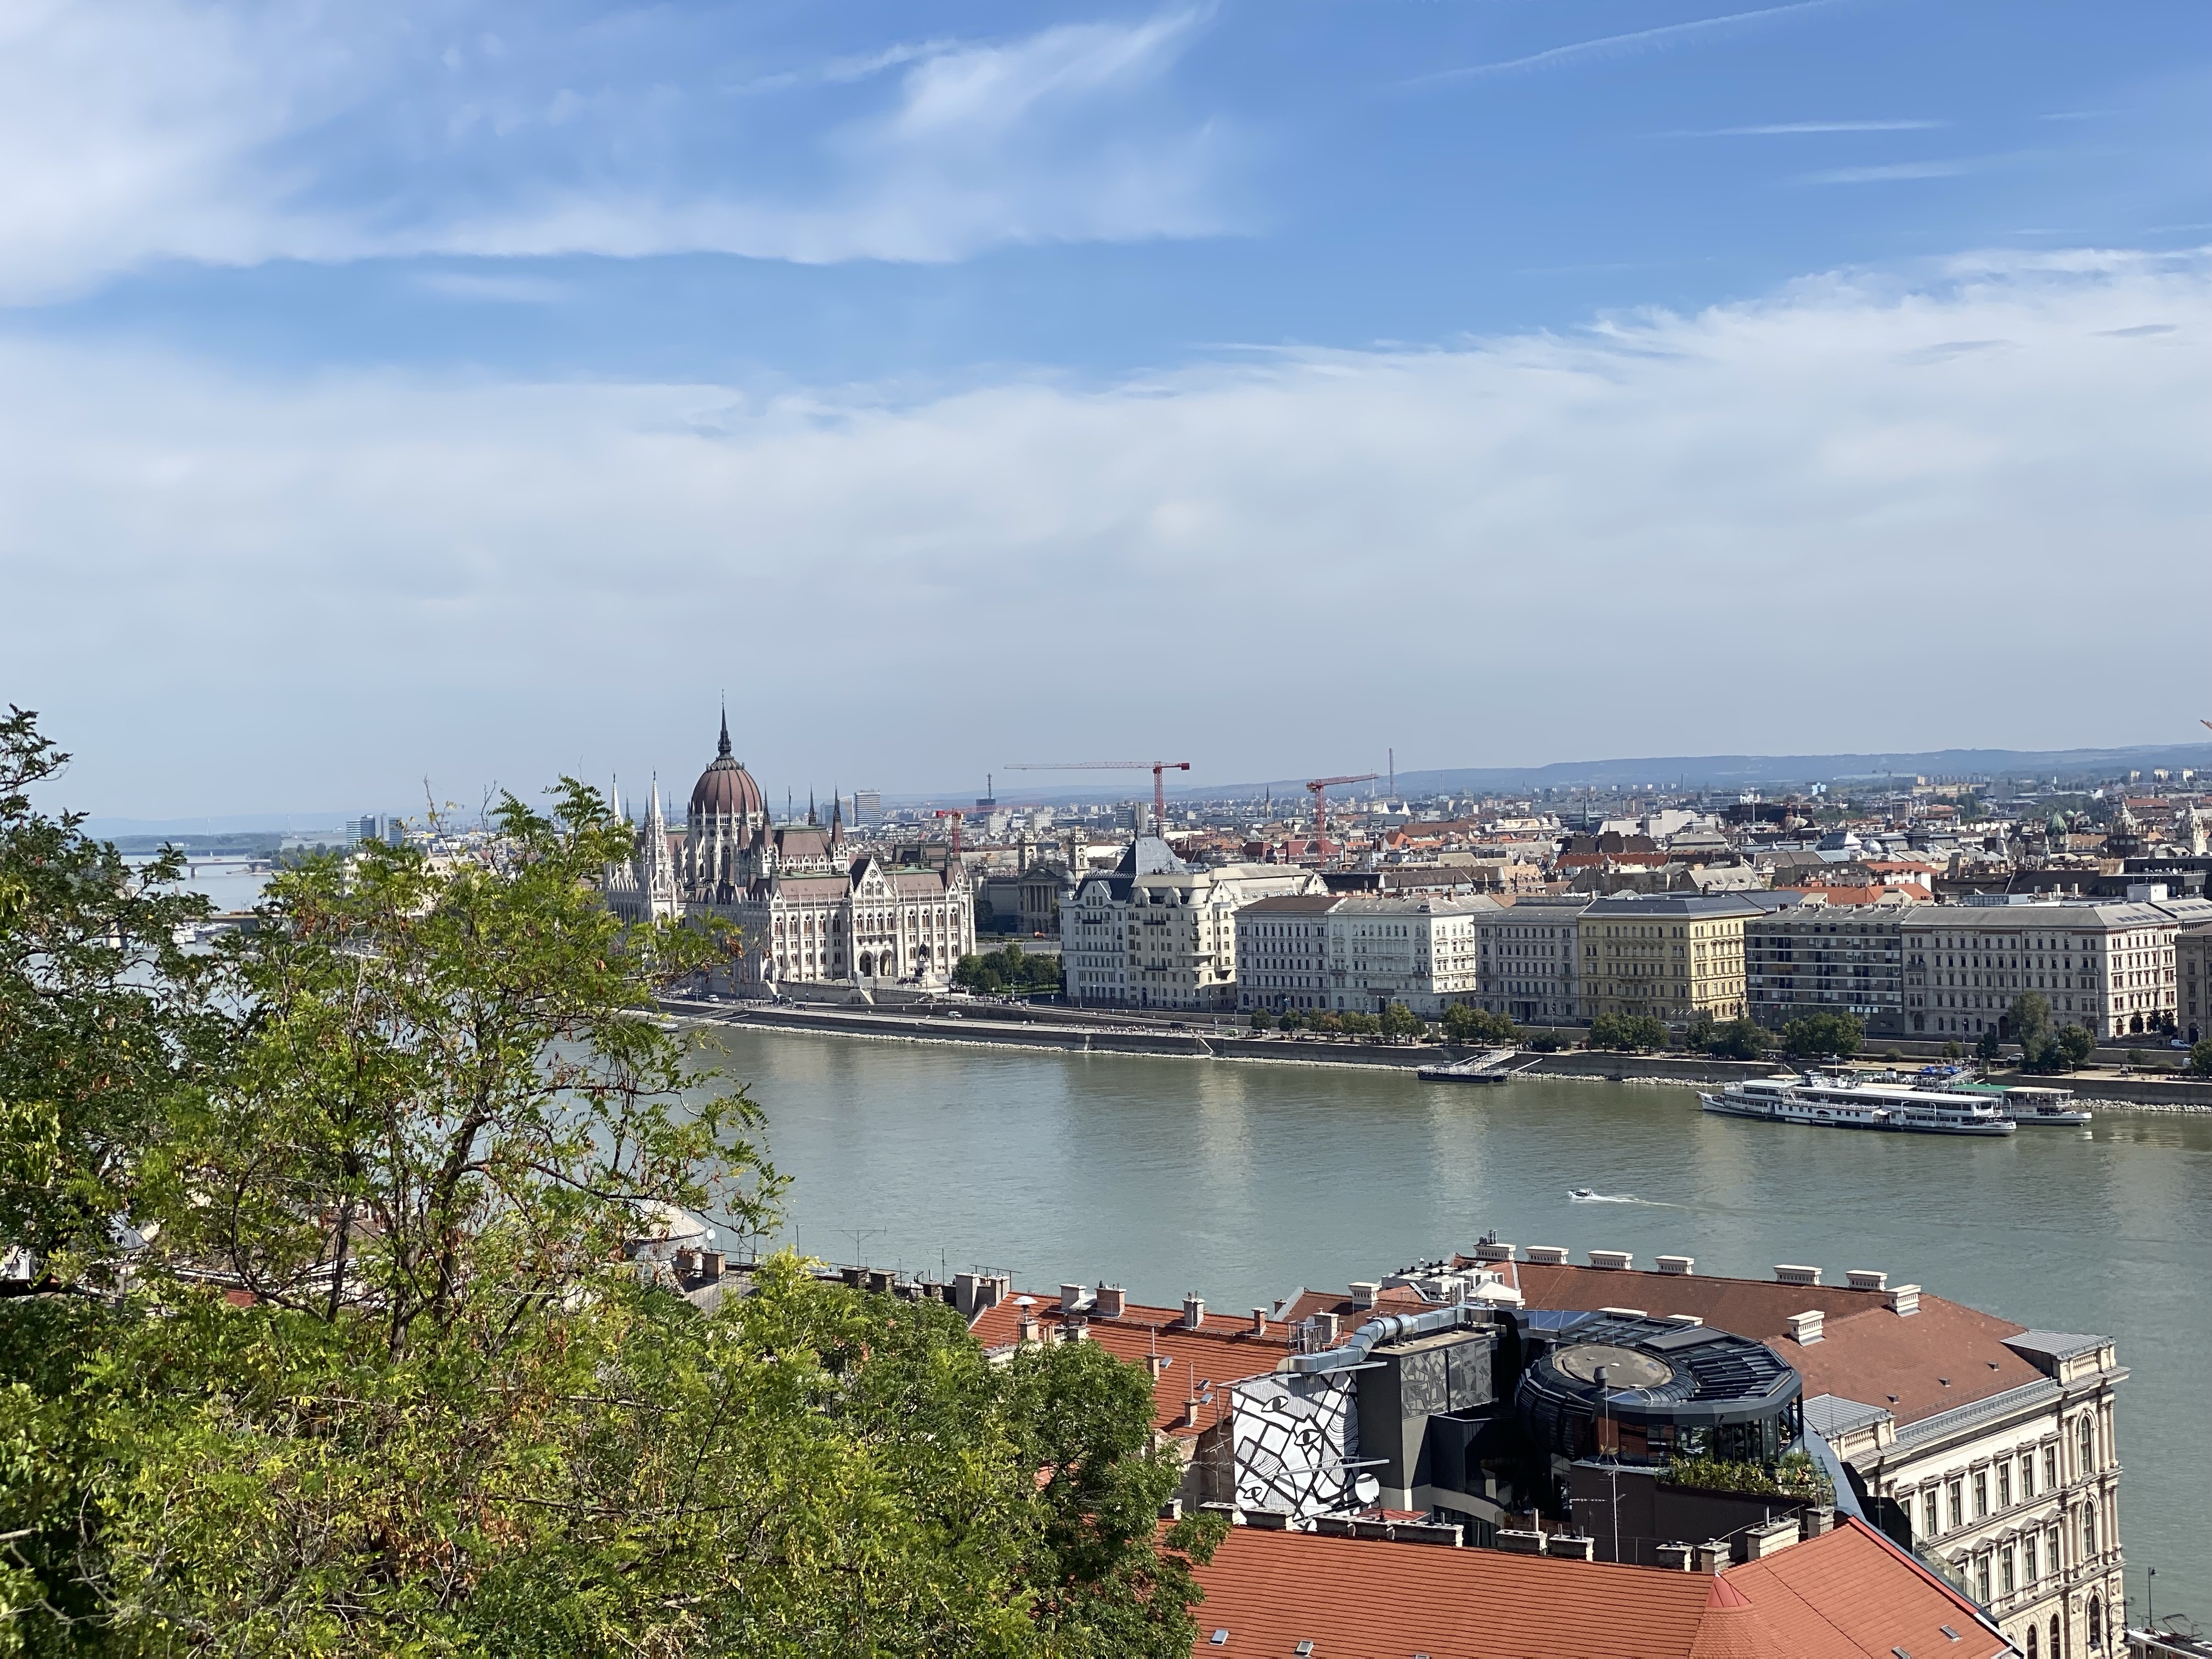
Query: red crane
{"x":956,"y":815}
{"x":1157,"y":769}
{"x":1321,"y":801}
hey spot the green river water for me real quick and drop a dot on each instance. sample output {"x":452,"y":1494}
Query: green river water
{"x":1242,"y":1182}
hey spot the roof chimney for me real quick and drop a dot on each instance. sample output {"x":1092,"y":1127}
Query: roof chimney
{"x":1905,"y":1300}
{"x":1112,"y":1300}
{"x":1684,"y":1319}
{"x":1489,"y":1252}
{"x":1259,"y":1321}
{"x":1682,"y":1265}
{"x":1190,"y":1413}
{"x":1789,"y":1273}
{"x":1865,"y":1279}
{"x":1757,"y":1543}
{"x":1676,"y":1558}
{"x":1155,"y":1363}
{"x":1548,"y":1255}
{"x":1193,"y":1312}
{"x":1613,"y":1260}
{"x":1711,"y":1556}
{"x":1363,"y":1293}
{"x":1073,"y":1298}
{"x":1805,"y":1327}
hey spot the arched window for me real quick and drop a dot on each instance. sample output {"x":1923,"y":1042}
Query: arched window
{"x":2030,"y":1642}
{"x":2052,"y":1652}
{"x":2096,"y":1622}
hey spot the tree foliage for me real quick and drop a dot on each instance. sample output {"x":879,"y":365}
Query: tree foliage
{"x":1823,"y":1036}
{"x":1465,"y":1024}
{"x":1008,"y":968}
{"x":1740,"y":1038}
{"x":1634,"y":1033}
{"x":336,"y":1344}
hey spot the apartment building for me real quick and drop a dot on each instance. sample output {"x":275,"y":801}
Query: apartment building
{"x":1156,"y":932}
{"x":1994,"y":1442}
{"x":2192,"y":976}
{"x":1529,"y":958}
{"x":1668,"y":956}
{"x":2110,"y":967}
{"x":1823,"y":959}
{"x":1343,"y":952}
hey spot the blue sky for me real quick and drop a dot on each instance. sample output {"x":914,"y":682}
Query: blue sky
{"x":477,"y":390}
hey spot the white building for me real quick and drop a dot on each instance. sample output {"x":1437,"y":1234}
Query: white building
{"x":803,"y":908}
{"x":1156,"y":932}
{"x":2107,"y":967}
{"x":1527,"y":959}
{"x":1324,"y":951}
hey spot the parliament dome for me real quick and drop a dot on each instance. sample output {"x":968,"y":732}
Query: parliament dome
{"x":726,"y":789}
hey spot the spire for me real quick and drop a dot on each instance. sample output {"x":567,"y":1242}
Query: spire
{"x":811,"y":819}
{"x":722,"y":748}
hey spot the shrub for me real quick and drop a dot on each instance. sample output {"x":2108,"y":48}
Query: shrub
{"x":2200,"y":1058}
{"x":1261,"y":1020}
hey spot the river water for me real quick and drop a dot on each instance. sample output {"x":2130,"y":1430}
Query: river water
{"x":1242,"y":1182}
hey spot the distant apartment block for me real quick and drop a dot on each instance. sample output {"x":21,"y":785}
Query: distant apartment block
{"x":1529,"y":954}
{"x":1323,"y":950}
{"x":1668,"y":957}
{"x":1827,"y":959}
{"x":1156,"y":932}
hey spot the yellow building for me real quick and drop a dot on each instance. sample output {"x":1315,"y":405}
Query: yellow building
{"x":1663,"y":956}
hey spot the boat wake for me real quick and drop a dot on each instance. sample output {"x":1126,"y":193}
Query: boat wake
{"x":1584,"y":1195}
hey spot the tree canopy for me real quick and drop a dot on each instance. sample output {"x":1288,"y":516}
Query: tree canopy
{"x":1823,"y":1036}
{"x":335,"y":1339}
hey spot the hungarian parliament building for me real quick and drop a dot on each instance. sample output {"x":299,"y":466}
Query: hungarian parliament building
{"x":806,"y":909}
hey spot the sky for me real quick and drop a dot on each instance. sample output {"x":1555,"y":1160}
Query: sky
{"x":427,"y":396}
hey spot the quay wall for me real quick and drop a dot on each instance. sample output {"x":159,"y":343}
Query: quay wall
{"x":1096,"y":1035}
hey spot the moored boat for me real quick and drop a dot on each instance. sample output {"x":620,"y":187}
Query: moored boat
{"x":1828,"y":1103}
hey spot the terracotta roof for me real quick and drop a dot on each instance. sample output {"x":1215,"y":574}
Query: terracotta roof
{"x":1943,"y":1356}
{"x":1848,"y":1595}
{"x":1223,"y":1350}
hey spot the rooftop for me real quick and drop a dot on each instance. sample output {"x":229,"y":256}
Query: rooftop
{"x":1847,"y":1594}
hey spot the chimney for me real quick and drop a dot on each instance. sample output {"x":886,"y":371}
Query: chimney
{"x":710,"y":1264}
{"x":1757,"y":1543}
{"x":1905,"y":1300}
{"x":1681,"y":1265}
{"x":1190,"y":1413}
{"x":1154,"y":1365}
{"x":1112,"y":1300}
{"x":1072,"y":1298}
{"x":1259,"y":1321}
{"x":1363,"y":1293}
{"x":687,"y":1265}
{"x":967,"y":1294}
{"x":1548,"y":1255}
{"x":1026,"y":1330}
{"x":1077,"y":1329}
{"x":1677,"y":1558}
{"x":1789,"y":1273}
{"x":1812,"y":1523}
{"x":1193,"y":1312}
{"x":1329,"y":1332}
{"x":1571,"y":1546}
{"x":1612,"y":1261}
{"x":1709,"y":1557}
{"x":1863,"y":1279}
{"x":1493,"y":1253}
{"x":1805,"y":1327}
{"x":1684,"y":1319}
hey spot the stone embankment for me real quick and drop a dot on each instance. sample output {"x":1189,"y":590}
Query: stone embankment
{"x":1094,"y":1031}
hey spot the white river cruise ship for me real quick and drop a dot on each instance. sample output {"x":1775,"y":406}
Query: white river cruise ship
{"x":1847,"y":1103}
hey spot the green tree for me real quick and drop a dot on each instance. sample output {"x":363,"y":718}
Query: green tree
{"x":1697,"y":1032}
{"x":1009,"y":968}
{"x":1634,"y":1032}
{"x":1465,"y":1024}
{"x":1741,"y":1038}
{"x":1399,"y":1022}
{"x":2200,"y":1058}
{"x":383,"y":1380}
{"x":1261,"y":1020}
{"x":1823,"y":1036}
{"x":2029,"y":1024}
{"x":1989,"y":1047}
{"x":2073,"y":1045}
{"x":1357,"y":1022}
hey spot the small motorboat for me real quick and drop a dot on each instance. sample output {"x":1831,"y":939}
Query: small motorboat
{"x":1581,"y":1192}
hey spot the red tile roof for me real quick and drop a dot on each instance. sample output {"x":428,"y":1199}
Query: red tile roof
{"x":1849,"y":1594}
{"x":1942,"y":1356}
{"x":1223,"y":1350}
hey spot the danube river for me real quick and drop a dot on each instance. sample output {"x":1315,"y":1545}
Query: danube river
{"x":1242,"y":1182}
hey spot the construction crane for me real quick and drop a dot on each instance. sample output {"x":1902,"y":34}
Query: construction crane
{"x":956,"y":815}
{"x":1321,"y":801}
{"x":1157,"y":769}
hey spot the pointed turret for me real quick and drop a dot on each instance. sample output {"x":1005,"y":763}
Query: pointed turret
{"x":722,"y":748}
{"x":811,"y":819}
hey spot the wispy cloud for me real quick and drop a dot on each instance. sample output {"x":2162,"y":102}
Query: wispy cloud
{"x":1779,"y":127}
{"x":469,"y":285}
{"x":235,"y":136}
{"x":1618,"y":46}
{"x":1894,"y":170}
{"x":2139,"y":331}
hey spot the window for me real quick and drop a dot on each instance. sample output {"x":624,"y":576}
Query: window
{"x":2088,"y":1531}
{"x":2085,"y":1435}
{"x":1981,"y":1579}
{"x":1928,"y":1513}
{"x":1955,"y":1504}
{"x":2050,"y":1469}
{"x":2004,"y":1485}
{"x":2027,"y":1474}
{"x":2028,"y":1557}
{"x":1981,"y":1493}
{"x":2005,"y":1572}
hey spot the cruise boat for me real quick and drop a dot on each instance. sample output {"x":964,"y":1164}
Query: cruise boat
{"x":1830,"y":1102}
{"x":2044,"y":1109}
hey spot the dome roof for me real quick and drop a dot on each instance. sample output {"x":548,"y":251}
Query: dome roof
{"x":725,"y":788}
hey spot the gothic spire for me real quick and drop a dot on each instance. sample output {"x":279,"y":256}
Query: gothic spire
{"x":722,"y":748}
{"x":811,"y":819}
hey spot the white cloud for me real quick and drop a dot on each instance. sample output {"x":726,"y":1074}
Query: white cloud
{"x":1862,"y":514}
{"x":287,"y":129}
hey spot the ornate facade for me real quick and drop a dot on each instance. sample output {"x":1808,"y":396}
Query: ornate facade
{"x":807,"y":909}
